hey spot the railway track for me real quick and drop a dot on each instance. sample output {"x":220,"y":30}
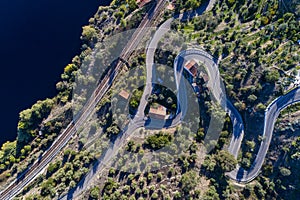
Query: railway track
{"x":28,"y":176}
{"x":9,"y":193}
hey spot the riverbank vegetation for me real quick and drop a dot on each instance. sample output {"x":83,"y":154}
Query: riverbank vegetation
{"x":257,"y":45}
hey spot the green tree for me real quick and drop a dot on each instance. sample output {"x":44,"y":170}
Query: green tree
{"x":47,"y":187}
{"x":95,"y":193}
{"x":30,"y":119}
{"x":158,"y":140}
{"x":135,"y":99}
{"x":211,"y":194}
{"x":132,"y":5}
{"x":189,"y":181}
{"x":27,"y":148}
{"x":200,"y":135}
{"x":264,"y":20}
{"x":110,"y":186}
{"x":271,"y":75}
{"x":113,"y":130}
{"x":89,"y":33}
{"x":192,"y":4}
{"x":225,"y":161}
{"x":251,"y":98}
{"x":70,"y":68}
{"x":53,"y":167}
{"x":260,"y":107}
{"x":284,"y":171}
{"x":154,"y":196}
{"x":177,"y":195}
{"x":231,"y":2}
{"x":250,"y":144}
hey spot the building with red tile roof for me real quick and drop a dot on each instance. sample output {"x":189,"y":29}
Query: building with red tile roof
{"x":191,"y":67}
{"x":159,"y":113}
{"x":124,"y":94}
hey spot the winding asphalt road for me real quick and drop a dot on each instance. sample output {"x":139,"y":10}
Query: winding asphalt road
{"x":216,"y":86}
{"x":137,"y":122}
{"x":271,"y":114}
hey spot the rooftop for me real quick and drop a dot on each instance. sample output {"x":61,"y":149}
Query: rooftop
{"x":141,"y":3}
{"x":124,"y":94}
{"x":191,"y":66}
{"x":171,"y":7}
{"x":159,"y":112}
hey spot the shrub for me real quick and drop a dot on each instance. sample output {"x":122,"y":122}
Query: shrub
{"x":159,"y":140}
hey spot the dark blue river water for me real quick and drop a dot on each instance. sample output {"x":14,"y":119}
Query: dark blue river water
{"x":38,"y":39}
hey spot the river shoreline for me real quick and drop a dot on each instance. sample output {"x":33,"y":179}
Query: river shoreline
{"x":39,"y":39}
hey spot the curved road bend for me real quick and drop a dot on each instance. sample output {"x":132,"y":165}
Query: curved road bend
{"x":138,"y":120}
{"x":217,"y":88}
{"x":271,"y":114}
{"x":136,"y":123}
{"x":239,"y":174}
